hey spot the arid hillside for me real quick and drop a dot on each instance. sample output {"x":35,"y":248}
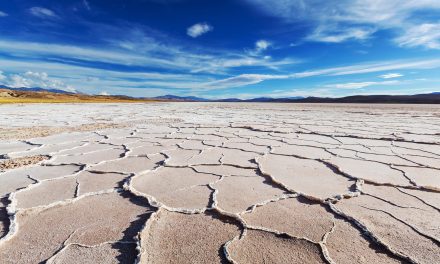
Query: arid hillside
{"x":11,"y":96}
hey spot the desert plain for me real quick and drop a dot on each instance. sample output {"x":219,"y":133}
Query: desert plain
{"x":219,"y":183}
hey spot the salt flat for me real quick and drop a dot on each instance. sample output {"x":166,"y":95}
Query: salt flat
{"x":219,"y":183}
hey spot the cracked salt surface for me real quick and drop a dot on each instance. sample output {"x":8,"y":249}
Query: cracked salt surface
{"x":219,"y":183}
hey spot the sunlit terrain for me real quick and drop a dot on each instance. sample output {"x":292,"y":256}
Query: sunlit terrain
{"x":219,"y":183}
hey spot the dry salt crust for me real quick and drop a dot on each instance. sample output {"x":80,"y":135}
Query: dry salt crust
{"x":219,"y":183}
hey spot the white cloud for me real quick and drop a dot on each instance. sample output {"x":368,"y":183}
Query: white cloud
{"x":372,"y":67}
{"x":220,"y":64}
{"x":3,"y":14}
{"x":353,"y":85}
{"x":333,"y":35}
{"x":198,"y":29}
{"x":391,"y":75}
{"x":157,"y":55}
{"x":353,"y":11}
{"x":104,"y":93}
{"x":359,"y":85}
{"x":427,"y":35}
{"x":142,"y":47}
{"x":32,"y":79}
{"x":259,"y":47}
{"x":240,"y":80}
{"x":40,"y":50}
{"x":42,"y":12}
{"x":328,"y":17}
{"x":262,"y":45}
{"x":92,"y":80}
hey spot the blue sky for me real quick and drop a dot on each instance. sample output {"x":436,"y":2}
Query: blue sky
{"x":224,"y":48}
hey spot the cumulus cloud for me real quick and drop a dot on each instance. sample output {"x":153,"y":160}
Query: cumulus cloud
{"x":3,"y":14}
{"x":104,"y":93}
{"x":42,"y":12}
{"x":259,"y":47}
{"x":262,"y":45}
{"x":391,"y":75}
{"x":32,"y":79}
{"x":198,"y":29}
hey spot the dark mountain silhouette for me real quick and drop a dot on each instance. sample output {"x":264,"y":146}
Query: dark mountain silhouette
{"x":431,"y":98}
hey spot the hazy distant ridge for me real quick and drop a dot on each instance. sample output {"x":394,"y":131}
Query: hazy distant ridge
{"x":431,"y":98}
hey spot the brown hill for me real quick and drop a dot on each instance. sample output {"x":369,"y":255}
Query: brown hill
{"x":12,"y":96}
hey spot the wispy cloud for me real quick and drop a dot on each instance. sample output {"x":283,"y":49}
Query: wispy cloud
{"x":42,"y":12}
{"x":154,"y":55}
{"x":77,"y":67}
{"x":337,"y":35}
{"x":337,"y":21}
{"x":34,"y":50}
{"x":359,"y":85}
{"x":427,"y":35}
{"x":391,"y":75}
{"x":373,"y":67}
{"x":353,"y":11}
{"x":248,"y":79}
{"x":241,"y":80}
{"x":198,"y":29}
{"x":3,"y":14}
{"x":88,"y":79}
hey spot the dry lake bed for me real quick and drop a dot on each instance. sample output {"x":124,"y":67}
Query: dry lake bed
{"x":219,"y":183}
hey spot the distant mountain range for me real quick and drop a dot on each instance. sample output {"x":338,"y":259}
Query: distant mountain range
{"x":199,"y":99}
{"x":36,"y":89}
{"x":39,"y":95}
{"x":259,"y":99}
{"x":431,"y":98}
{"x":181,"y":98}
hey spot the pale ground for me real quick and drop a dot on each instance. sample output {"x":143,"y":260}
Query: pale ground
{"x":219,"y":183}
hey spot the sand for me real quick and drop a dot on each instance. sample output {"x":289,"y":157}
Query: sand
{"x":219,"y":183}
{"x":43,"y":131}
{"x":8,"y":164}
